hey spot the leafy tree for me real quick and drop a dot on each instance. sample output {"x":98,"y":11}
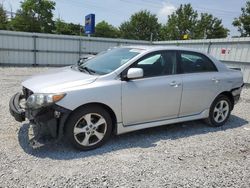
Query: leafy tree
{"x":62,"y":27}
{"x":181,"y":22}
{"x":24,"y":22}
{"x":3,"y":18}
{"x":34,"y":16}
{"x":243,"y":21}
{"x":103,"y":29}
{"x":76,"y":29}
{"x":186,"y":21}
{"x":140,"y":26}
{"x":210,"y":27}
{"x":126,"y":30}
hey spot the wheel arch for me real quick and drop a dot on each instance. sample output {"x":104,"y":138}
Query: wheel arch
{"x":229,"y":95}
{"x":104,"y":106}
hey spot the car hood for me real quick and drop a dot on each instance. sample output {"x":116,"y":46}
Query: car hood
{"x":58,"y":80}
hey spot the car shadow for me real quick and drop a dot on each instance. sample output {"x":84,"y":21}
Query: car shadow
{"x":143,"y":139}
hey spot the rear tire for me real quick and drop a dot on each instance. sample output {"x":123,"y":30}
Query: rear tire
{"x":220,"y":111}
{"x":89,"y":127}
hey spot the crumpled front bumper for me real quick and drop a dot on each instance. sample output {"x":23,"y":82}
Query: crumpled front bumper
{"x":45,"y":121}
{"x":15,"y":109}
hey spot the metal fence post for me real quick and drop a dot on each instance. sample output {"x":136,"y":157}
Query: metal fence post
{"x":34,"y":49}
{"x":80,"y":47}
{"x":209,"y":47}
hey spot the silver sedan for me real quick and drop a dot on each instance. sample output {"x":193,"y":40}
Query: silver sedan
{"x":126,"y":89}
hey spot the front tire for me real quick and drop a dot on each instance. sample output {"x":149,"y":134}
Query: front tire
{"x":89,"y":127}
{"x":220,"y":111}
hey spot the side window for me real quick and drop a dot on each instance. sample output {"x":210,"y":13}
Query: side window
{"x":157,"y":64}
{"x":195,"y":62}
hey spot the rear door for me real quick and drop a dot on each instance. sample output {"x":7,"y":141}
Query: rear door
{"x":201,"y":82}
{"x":157,"y":95}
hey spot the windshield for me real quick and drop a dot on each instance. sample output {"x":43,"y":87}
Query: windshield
{"x":109,"y":61}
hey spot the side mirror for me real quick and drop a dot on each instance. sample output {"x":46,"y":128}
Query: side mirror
{"x":134,"y":73}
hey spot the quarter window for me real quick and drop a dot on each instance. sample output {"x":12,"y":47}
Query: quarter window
{"x":195,"y":62}
{"x":158,"y":64}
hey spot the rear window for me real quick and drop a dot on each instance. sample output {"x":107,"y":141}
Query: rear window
{"x":192,"y":62}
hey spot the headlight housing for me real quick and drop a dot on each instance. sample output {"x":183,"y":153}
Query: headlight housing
{"x":38,"y":100}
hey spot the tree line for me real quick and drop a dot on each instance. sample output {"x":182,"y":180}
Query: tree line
{"x":184,"y":23}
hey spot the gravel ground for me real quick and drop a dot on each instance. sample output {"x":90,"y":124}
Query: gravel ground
{"x":181,"y":155}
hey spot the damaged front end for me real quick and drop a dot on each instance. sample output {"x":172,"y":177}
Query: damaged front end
{"x":46,"y":121}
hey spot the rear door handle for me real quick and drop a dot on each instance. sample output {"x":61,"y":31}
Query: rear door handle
{"x":175,"y":84}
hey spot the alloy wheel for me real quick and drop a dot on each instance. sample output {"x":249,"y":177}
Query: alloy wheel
{"x":221,"y":111}
{"x":90,"y":129}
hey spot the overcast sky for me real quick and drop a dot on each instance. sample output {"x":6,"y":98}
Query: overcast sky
{"x":117,"y":11}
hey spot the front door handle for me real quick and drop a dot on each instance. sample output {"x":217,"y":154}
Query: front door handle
{"x":175,"y":84}
{"x":215,"y":80}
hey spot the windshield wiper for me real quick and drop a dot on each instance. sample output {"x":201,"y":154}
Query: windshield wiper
{"x":86,"y":69}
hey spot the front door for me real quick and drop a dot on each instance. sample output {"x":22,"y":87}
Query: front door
{"x":157,"y":95}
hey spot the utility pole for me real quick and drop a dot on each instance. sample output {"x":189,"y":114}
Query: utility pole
{"x":11,"y":12}
{"x":80,"y":32}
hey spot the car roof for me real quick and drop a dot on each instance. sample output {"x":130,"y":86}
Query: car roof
{"x":160,"y":47}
